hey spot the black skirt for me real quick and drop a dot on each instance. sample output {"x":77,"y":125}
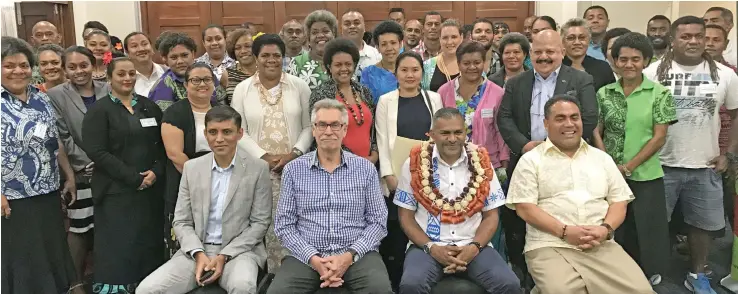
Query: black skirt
{"x":35,"y":254}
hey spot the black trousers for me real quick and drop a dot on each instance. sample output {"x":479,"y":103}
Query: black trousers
{"x":393,"y":246}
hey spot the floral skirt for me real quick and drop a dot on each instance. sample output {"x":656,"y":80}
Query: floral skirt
{"x":275,"y":251}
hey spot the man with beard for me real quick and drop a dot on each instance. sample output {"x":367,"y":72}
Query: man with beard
{"x":294,"y":38}
{"x":520,"y":120}
{"x":598,"y":20}
{"x":178,"y":51}
{"x":691,"y":156}
{"x":413,"y":36}
{"x":724,"y":18}
{"x":431,"y":35}
{"x":659,"y":33}
{"x":353,"y":28}
{"x":576,"y":39}
{"x":528,"y":27}
{"x":43,"y":32}
{"x":138,"y":47}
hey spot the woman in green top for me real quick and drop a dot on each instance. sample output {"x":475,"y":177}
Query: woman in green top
{"x":635,"y":114}
{"x":321,"y":26}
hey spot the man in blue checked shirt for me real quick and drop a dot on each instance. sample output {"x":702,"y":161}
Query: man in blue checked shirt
{"x":331,"y":215}
{"x":448,"y":198}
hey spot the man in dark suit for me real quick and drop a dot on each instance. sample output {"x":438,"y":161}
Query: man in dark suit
{"x":520,"y":120}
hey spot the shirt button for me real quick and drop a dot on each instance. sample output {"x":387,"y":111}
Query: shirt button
{"x":453,"y":232}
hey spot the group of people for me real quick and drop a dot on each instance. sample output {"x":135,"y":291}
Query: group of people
{"x":274,"y":153}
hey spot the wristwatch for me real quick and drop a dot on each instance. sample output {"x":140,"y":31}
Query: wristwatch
{"x":610,"y":231}
{"x":297,"y":152}
{"x":354,"y":254}
{"x":627,"y":171}
{"x":427,"y":247}
{"x":479,"y":247}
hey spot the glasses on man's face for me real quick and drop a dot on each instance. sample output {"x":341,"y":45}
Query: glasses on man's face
{"x":198,"y":81}
{"x":335,"y":126}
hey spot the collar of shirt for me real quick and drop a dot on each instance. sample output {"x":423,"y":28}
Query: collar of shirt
{"x":282,"y":79}
{"x":646,"y":84}
{"x":549,"y":146}
{"x":206,"y":59}
{"x":174,"y":76}
{"x":219,"y":169}
{"x":116,"y":100}
{"x":155,"y":74}
{"x":552,"y":76}
{"x":316,"y":163}
{"x":457,"y":84}
{"x":31,"y":92}
{"x":461,"y":161}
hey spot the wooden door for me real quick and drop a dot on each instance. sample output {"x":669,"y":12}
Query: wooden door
{"x":59,"y":13}
{"x":231,"y":14}
{"x":374,"y":12}
{"x":513,"y":13}
{"x":417,"y":10}
{"x":182,"y":16}
{"x":298,"y":10}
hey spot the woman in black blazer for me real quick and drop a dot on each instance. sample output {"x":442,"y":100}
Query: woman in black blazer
{"x":121,"y":134}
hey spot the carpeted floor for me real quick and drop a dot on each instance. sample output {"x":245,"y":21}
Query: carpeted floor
{"x":719,"y":260}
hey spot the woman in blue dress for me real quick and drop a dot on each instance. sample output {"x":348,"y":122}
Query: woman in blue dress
{"x":380,"y":78}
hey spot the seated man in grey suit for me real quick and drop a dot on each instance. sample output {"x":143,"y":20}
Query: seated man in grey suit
{"x":223,"y":212}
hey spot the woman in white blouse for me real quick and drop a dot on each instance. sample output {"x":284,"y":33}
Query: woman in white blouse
{"x":405,"y":112}
{"x":276,"y":122}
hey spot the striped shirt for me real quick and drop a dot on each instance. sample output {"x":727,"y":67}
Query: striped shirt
{"x":323,"y":213}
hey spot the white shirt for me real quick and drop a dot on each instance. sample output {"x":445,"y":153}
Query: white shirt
{"x":201,"y":143}
{"x":368,"y":56}
{"x":451,"y":181}
{"x":220,"y":179}
{"x":144,"y":84}
{"x":729,"y":54}
{"x":693,"y":141}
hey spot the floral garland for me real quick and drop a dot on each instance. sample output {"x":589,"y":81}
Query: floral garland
{"x":472,"y":198}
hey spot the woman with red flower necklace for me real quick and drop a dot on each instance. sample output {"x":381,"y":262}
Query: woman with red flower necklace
{"x":341,"y":58}
{"x":99,"y":43}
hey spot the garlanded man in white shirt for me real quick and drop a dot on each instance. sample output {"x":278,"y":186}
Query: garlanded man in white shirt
{"x":223,"y":212}
{"x":448,"y":196}
{"x":572,"y":197}
{"x":352,"y":28}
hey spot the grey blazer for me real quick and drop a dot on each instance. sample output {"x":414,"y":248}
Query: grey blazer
{"x":247,"y":211}
{"x":70,"y":110}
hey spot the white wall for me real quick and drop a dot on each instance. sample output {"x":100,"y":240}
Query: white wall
{"x":120,"y":17}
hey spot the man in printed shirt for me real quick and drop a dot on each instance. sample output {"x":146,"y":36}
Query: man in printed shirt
{"x":178,"y":51}
{"x":572,"y":197}
{"x":331,"y":215}
{"x":294,"y":37}
{"x":442,"y":245}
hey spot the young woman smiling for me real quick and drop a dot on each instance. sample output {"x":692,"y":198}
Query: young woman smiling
{"x":239,"y":46}
{"x":50,"y":66}
{"x":443,"y":68}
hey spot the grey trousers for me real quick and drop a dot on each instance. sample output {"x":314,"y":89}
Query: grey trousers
{"x":487,"y":269}
{"x":177,"y":276}
{"x":366,"y":276}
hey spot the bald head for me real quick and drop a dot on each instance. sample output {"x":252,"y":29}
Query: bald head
{"x":44,"y":32}
{"x":547,"y":52}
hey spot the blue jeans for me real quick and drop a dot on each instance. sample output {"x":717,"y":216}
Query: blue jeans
{"x":487,"y":269}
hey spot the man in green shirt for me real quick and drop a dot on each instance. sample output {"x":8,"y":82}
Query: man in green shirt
{"x":635,"y":114}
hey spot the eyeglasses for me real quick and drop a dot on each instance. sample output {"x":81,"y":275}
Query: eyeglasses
{"x":334,"y":126}
{"x":197,"y":81}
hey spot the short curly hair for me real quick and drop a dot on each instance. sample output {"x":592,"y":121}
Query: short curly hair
{"x":514,"y":38}
{"x":12,"y":46}
{"x":322,"y":16}
{"x":162,"y":36}
{"x":267,"y":39}
{"x":635,"y":41}
{"x":51,"y":47}
{"x":468,"y":47}
{"x":340,"y":45}
{"x":612,"y":33}
{"x":233,"y":38}
{"x":387,"y":27}
{"x":173,"y":40}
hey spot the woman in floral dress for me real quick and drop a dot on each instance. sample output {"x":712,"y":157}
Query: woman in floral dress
{"x":322,"y":27}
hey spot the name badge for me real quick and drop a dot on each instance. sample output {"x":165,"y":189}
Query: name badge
{"x":148,"y":122}
{"x":708,"y":89}
{"x":488,"y":113}
{"x":39,"y":131}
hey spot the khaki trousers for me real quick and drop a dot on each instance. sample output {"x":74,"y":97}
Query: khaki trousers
{"x":601,"y":270}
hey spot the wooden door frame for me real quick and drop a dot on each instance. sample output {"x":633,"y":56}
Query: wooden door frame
{"x":65,"y":26}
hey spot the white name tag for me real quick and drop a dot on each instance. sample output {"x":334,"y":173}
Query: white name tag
{"x":148,"y":122}
{"x":39,"y":131}
{"x":488,"y":113}
{"x":708,"y":89}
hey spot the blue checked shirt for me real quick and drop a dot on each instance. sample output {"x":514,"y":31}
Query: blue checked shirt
{"x":327,"y":213}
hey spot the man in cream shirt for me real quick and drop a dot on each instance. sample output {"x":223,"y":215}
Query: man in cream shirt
{"x":572,"y":197}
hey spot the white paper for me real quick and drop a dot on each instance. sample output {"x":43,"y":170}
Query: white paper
{"x":401,"y":153}
{"x":148,"y":122}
